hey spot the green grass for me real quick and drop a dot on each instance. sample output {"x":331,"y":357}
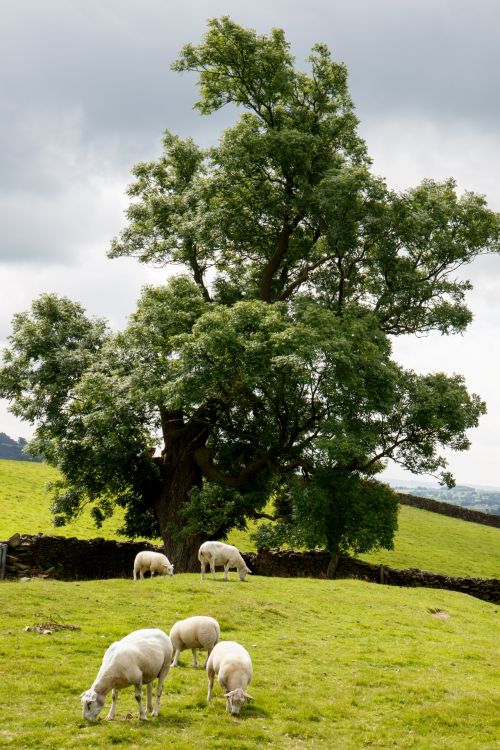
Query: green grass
{"x":25,"y":505}
{"x":337,"y":664}
{"x":431,"y":541}
{"x":424,"y":540}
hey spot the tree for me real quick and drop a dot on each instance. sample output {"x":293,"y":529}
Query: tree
{"x":263,"y":370}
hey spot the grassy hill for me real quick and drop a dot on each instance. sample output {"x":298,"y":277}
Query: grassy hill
{"x":25,"y":504}
{"x":341,"y":664}
{"x":424,"y":540}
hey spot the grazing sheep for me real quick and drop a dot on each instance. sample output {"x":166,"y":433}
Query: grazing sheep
{"x":232,"y":665}
{"x":218,"y":553}
{"x":153,"y":561}
{"x":140,"y":657}
{"x":194,"y":632}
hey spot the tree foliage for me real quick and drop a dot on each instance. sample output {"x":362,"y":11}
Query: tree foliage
{"x":263,"y":369}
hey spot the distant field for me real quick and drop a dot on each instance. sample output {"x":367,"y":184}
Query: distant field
{"x":430,"y":541}
{"x":25,"y":504}
{"x":339,"y":665}
{"x":424,"y":540}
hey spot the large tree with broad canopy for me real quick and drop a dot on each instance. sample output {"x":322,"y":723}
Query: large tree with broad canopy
{"x":257,"y":382}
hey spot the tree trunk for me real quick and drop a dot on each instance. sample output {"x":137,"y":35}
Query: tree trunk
{"x":332,"y":566}
{"x":180,"y":473}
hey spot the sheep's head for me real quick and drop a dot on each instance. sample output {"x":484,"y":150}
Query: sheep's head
{"x":168,"y":570}
{"x":92,"y":703}
{"x":243,"y":571}
{"x":235,"y":699}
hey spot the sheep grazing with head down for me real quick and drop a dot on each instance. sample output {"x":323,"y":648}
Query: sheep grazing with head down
{"x":232,"y":666}
{"x":194,"y":632}
{"x":218,"y":553}
{"x":155,"y":562}
{"x":139,"y":658}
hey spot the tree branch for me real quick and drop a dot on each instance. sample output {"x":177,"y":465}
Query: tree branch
{"x":204,"y":459}
{"x":304,"y":275}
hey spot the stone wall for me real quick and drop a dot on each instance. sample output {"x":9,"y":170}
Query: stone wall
{"x":291,"y":564}
{"x":75,"y":559}
{"x":448,"y":509}
{"x":71,"y":559}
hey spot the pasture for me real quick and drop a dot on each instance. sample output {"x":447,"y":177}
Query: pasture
{"x":337,"y":664}
{"x":424,"y":540}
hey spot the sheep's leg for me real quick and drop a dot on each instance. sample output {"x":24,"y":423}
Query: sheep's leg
{"x":203,"y":568}
{"x":149,"y":697}
{"x":112,"y":710}
{"x":226,"y":571}
{"x":212,"y":568}
{"x":209,"y":651}
{"x":210,"y":675}
{"x":159,"y":687}
{"x":138,"y":697}
{"x":195,"y":660}
{"x":141,"y":573}
{"x":175,"y":661}
{"x":135,"y":574}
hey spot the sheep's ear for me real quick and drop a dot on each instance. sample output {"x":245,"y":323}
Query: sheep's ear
{"x":249,"y":571}
{"x":251,"y":698}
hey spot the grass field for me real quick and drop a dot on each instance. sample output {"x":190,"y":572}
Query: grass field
{"x":25,"y":504}
{"x":337,"y":664}
{"x":424,"y":540}
{"x":430,"y":541}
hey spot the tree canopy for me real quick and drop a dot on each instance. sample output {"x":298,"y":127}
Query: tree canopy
{"x":261,"y":372}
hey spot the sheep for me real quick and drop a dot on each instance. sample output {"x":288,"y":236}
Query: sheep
{"x":140,"y":657}
{"x":218,"y":553}
{"x":194,"y":632}
{"x":232,"y":665}
{"x":156,"y":562}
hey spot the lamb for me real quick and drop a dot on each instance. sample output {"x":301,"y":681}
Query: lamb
{"x":232,"y":665}
{"x":194,"y":632}
{"x":218,"y":553}
{"x":153,"y":561}
{"x":140,"y":657}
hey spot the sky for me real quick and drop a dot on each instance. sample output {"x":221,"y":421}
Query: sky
{"x":86,"y":91}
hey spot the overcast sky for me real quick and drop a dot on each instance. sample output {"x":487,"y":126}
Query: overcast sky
{"x":86,"y":91}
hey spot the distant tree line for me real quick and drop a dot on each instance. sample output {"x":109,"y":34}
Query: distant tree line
{"x":14,"y":449}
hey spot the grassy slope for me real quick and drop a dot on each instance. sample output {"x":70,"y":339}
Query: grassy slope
{"x":341,"y":664}
{"x":425,"y":540}
{"x":25,"y":504}
{"x":430,"y":541}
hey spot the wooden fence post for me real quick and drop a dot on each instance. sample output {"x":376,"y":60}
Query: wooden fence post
{"x":3,"y":558}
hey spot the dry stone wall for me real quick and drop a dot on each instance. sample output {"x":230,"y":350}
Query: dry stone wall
{"x":71,"y":559}
{"x":290,"y":564}
{"x":448,"y":509}
{"x":75,"y":559}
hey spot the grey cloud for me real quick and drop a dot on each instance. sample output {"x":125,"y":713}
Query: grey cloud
{"x":110,"y":60}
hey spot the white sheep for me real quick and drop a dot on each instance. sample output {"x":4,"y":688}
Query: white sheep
{"x":155,"y":562}
{"x":139,"y":658}
{"x":194,"y":632}
{"x":232,"y":665}
{"x":218,"y":553}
